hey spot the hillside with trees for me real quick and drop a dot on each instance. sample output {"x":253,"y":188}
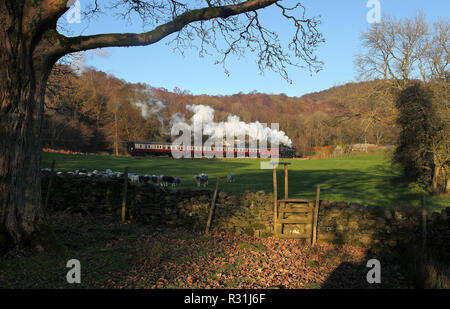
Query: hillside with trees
{"x":99,"y":113}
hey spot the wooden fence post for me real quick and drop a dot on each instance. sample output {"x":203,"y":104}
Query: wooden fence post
{"x":316,"y":216}
{"x":424,"y":224}
{"x":49,"y":186}
{"x":212,"y":208}
{"x":275,"y":200}
{"x":125,"y":188}
{"x":285,"y":182}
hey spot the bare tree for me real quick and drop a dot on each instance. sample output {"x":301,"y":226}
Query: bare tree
{"x":395,"y":50}
{"x":435,"y":64}
{"x":30,"y":45}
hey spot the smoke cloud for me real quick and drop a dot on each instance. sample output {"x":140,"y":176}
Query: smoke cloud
{"x":148,"y":104}
{"x":78,"y":63}
{"x":203,"y":116}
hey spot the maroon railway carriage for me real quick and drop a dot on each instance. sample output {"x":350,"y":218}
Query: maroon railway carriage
{"x":162,"y":148}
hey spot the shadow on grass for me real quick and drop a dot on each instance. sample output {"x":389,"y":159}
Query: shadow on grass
{"x":403,"y":266}
{"x":370,"y":187}
{"x":354,"y":275}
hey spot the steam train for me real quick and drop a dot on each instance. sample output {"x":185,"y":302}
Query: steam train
{"x":162,"y":148}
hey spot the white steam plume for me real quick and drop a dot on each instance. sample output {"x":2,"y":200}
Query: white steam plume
{"x":148,"y":104}
{"x":204,"y":116}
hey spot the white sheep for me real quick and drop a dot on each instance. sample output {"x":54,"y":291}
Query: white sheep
{"x":202,"y":180}
{"x":231,"y":178}
{"x":133,"y":178}
{"x":155,"y":179}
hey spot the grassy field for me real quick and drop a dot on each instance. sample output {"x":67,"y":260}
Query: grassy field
{"x":361,"y":178}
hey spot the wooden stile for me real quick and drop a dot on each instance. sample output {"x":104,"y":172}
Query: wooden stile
{"x":301,"y":211}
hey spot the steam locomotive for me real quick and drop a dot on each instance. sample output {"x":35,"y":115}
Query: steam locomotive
{"x":162,"y":148}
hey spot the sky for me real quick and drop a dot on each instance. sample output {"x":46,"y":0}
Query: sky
{"x":159,"y":66}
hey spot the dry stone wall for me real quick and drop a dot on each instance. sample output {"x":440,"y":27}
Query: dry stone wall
{"x":249,"y":213}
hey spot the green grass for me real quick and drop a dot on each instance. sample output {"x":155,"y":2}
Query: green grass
{"x":362,"y":178}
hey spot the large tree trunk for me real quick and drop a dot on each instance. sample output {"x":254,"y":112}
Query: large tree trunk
{"x":22,"y":89}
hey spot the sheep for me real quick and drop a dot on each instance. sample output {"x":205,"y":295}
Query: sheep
{"x":202,"y":180}
{"x":177,"y":182}
{"x":145,"y":179}
{"x":155,"y":179}
{"x":166,"y":180}
{"x":230,"y":178}
{"x":197,"y":180}
{"x":134,"y":178}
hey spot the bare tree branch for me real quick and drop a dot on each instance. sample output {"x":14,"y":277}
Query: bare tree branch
{"x":227,"y":26}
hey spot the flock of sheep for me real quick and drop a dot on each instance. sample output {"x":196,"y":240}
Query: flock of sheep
{"x":161,"y":180}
